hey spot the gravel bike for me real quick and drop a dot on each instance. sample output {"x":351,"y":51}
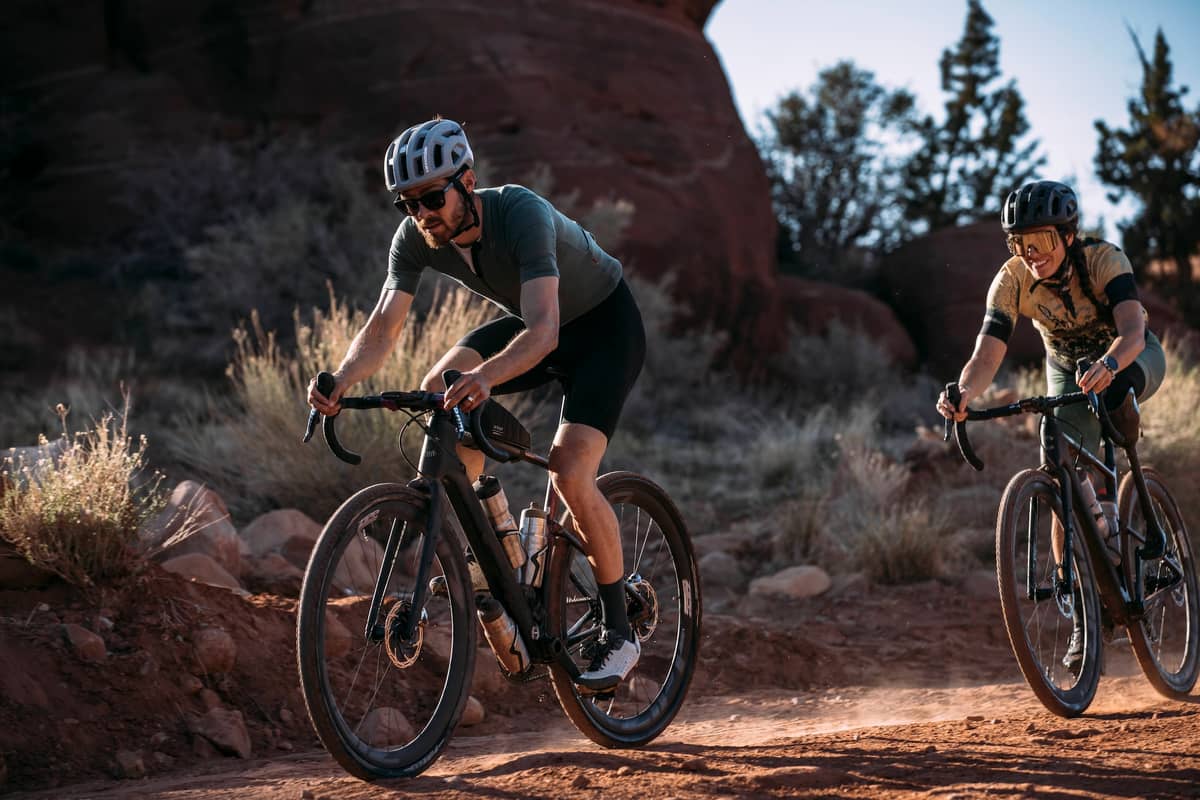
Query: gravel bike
{"x":387,"y":626}
{"x":1056,"y":572}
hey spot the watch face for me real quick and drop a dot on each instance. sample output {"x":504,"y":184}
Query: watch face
{"x":1111,"y":363}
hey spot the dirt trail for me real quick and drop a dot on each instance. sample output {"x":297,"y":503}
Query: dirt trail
{"x":966,"y":742}
{"x":907,"y":691}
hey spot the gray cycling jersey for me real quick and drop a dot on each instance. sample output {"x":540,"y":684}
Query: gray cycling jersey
{"x":524,"y":237}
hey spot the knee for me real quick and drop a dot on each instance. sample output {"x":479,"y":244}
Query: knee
{"x":571,"y":480}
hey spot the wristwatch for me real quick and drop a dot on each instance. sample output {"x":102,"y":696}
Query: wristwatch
{"x":1110,"y":364}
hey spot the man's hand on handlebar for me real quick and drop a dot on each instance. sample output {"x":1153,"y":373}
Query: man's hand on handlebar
{"x":469,"y":392}
{"x":331,"y":405}
{"x":949,"y":410}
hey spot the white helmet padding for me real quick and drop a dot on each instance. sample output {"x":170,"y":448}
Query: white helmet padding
{"x":426,"y":152}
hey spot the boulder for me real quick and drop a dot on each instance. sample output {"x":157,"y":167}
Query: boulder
{"x":87,"y":645}
{"x":195,"y":520}
{"x":938,"y":286}
{"x":652,"y":120}
{"x":224,"y":729}
{"x":795,"y":582}
{"x":202,"y":568}
{"x":384,"y":727}
{"x":130,"y":764}
{"x":216,"y":651}
{"x":473,"y":713}
{"x":269,"y":532}
{"x":273,"y":574}
{"x":815,"y":305}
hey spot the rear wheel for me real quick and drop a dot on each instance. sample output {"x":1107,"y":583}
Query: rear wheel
{"x":1040,"y":610}
{"x":1166,"y":640}
{"x":384,"y":706}
{"x":663,"y":594}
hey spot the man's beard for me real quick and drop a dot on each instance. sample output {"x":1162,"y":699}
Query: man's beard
{"x":439,"y":238}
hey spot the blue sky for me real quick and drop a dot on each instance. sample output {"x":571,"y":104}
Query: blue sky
{"x":1073,"y":61}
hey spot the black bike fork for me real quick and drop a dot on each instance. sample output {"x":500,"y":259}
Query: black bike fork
{"x":374,"y":629}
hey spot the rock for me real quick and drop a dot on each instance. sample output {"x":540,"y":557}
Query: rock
{"x":88,"y":646}
{"x":286,"y":716}
{"x":272,"y":574}
{"x":850,"y":583}
{"x":159,"y":739}
{"x":938,"y":284}
{"x":17,"y":573}
{"x":191,"y":684}
{"x":580,"y":782}
{"x":720,"y":569}
{"x":195,"y":520}
{"x":359,"y":566}
{"x":224,"y":729}
{"x":130,"y":764}
{"x":162,"y":760}
{"x":269,"y":532}
{"x":384,"y":727}
{"x":210,"y":699}
{"x":202,"y":568}
{"x":797,"y":582}
{"x":653,"y":120}
{"x":338,"y":639}
{"x":203,"y":748}
{"x":814,"y":306}
{"x":215,"y":649}
{"x":473,"y":714}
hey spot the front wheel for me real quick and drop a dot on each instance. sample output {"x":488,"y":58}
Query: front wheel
{"x":1041,"y":613}
{"x":385,"y":705}
{"x":1166,"y":640}
{"x":663,"y":591}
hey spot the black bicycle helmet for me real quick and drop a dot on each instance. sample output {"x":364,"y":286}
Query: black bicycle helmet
{"x":1040,"y":203}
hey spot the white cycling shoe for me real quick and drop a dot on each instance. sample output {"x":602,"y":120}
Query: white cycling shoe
{"x":613,"y":663}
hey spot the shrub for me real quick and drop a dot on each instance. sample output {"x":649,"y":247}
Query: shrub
{"x":248,"y":449}
{"x":78,"y":514}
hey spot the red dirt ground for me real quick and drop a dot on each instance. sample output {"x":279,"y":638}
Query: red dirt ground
{"x":878,"y":692}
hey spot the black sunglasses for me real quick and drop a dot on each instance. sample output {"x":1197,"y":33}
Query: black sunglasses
{"x":432,"y":200}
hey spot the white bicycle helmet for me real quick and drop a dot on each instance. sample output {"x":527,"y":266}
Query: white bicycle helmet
{"x":426,"y":152}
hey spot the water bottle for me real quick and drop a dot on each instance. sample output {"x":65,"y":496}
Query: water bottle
{"x":533,"y":536}
{"x":502,"y":634}
{"x":1111,"y":528}
{"x":495,"y":503}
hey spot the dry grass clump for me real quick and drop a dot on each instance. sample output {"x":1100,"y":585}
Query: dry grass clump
{"x":1171,"y":428}
{"x":248,"y":449}
{"x":77,"y":514}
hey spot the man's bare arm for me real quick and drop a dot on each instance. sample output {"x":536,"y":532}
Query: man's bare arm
{"x":370,"y":348}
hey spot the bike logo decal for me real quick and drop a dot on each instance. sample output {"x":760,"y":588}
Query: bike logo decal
{"x":685,"y":589}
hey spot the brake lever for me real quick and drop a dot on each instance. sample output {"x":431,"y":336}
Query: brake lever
{"x":325,"y":384}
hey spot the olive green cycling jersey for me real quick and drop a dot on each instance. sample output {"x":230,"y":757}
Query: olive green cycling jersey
{"x":523,"y":237}
{"x":1072,"y":324}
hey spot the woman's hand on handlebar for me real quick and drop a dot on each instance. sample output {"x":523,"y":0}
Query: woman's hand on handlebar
{"x":1095,"y":379}
{"x":328,"y":405}
{"x":948,"y":410}
{"x":470,"y":391}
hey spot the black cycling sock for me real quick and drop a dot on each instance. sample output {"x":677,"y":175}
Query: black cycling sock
{"x":612,"y":597}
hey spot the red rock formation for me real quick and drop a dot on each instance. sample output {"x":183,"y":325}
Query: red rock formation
{"x":624,"y":98}
{"x":938,"y":286}
{"x":813,"y":305}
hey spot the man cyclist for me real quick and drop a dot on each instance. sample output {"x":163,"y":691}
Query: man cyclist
{"x":567,"y":310}
{"x":1081,"y":297}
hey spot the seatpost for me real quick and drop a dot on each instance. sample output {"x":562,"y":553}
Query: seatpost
{"x":550,"y":479}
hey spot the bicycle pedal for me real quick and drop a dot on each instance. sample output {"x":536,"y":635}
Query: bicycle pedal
{"x":438,"y":586}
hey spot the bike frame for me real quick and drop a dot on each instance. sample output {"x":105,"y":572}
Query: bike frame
{"x":441,"y":474}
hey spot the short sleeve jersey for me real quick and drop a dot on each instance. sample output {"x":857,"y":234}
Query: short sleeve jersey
{"x":524,"y":237}
{"x":1070,"y":324}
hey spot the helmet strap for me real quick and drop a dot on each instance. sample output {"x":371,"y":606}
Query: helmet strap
{"x":469,"y":200}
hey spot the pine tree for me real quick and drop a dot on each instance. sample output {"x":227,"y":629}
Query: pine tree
{"x":974,"y":157}
{"x":1157,"y":160}
{"x":834,"y":183}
